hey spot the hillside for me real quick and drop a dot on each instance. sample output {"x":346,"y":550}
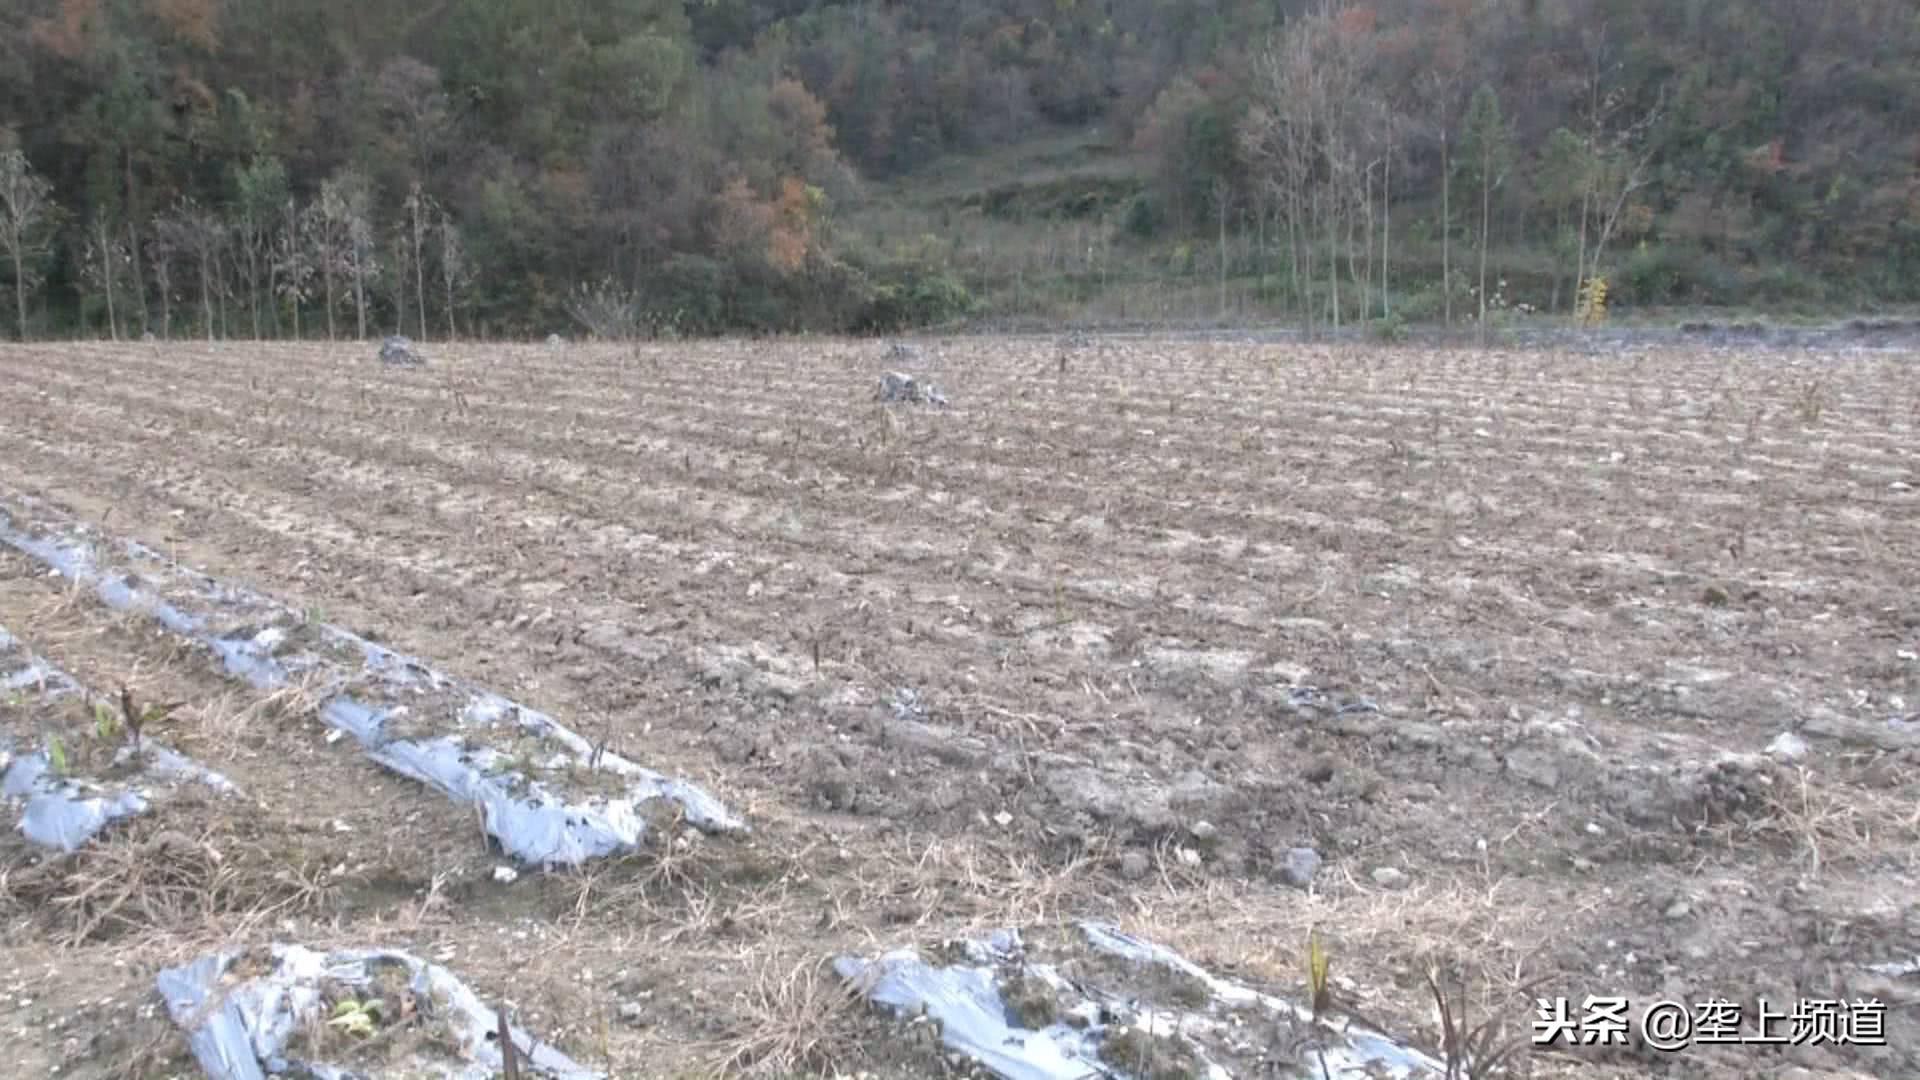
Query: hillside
{"x":210,"y":168}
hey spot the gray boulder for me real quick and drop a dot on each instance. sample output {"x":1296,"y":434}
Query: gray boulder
{"x":898,"y":387}
{"x":398,"y":351}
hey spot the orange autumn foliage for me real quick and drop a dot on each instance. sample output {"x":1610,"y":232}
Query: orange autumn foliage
{"x":780,"y":228}
{"x":70,"y":31}
{"x":791,"y":238}
{"x":196,"y":22}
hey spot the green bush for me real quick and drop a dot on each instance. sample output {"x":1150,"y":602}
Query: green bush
{"x":1141,"y":218}
{"x":915,"y":298}
{"x":1659,"y":274}
{"x":687,"y":294}
{"x":1389,"y":328}
{"x":1784,"y":285}
{"x":694,"y":295}
{"x":1425,"y":304}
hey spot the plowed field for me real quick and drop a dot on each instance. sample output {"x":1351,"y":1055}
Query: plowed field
{"x":1509,"y":640}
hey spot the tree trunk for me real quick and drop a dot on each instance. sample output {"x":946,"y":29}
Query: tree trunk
{"x":1333,"y":258}
{"x":1586,"y":211}
{"x":133,"y":243}
{"x":220,"y":295}
{"x":1365,"y":279}
{"x":1300,"y":235}
{"x":327,"y":273}
{"x":1486,"y":200}
{"x":1260,"y":231}
{"x":360,"y":296}
{"x":1221,"y":199}
{"x":1586,"y":183}
{"x":1446,"y":229}
{"x":20,"y":287}
{"x":1386,"y":231}
{"x":106,"y":275}
{"x":420,"y":271}
{"x":1553,"y":301}
{"x":206,"y":294}
{"x":253,"y":287}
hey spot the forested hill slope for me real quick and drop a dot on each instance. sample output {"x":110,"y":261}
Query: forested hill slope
{"x":237,"y":167}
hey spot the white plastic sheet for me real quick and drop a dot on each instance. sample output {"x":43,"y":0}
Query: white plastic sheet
{"x":244,"y":1030}
{"x":968,"y":999}
{"x":370,"y":692}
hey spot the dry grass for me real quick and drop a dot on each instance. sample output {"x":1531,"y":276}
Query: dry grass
{"x":152,"y":881}
{"x":1481,"y":935}
{"x":1828,"y":823}
{"x":968,"y":884}
{"x":240,"y":718}
{"x":796,"y":1018}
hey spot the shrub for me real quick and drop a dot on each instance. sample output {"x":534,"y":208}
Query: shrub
{"x":1425,"y":304}
{"x":1390,"y":328}
{"x":915,"y":298}
{"x":687,"y":294}
{"x":1782,"y":285}
{"x":1141,"y":218}
{"x":1658,"y":274}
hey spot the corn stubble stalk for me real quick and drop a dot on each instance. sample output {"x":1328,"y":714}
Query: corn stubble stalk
{"x":509,"y":1054}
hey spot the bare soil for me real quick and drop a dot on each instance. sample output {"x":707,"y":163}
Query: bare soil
{"x":1504,"y":636}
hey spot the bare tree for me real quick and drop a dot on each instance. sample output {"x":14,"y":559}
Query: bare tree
{"x":101,"y":259}
{"x":1446,"y":225}
{"x":160,"y":256}
{"x":293,"y":264}
{"x":363,"y":266}
{"x":1616,"y":163}
{"x":414,"y":105}
{"x":1309,"y":133}
{"x":260,"y":188}
{"x":193,"y":230}
{"x":1388,"y":129}
{"x":1441,"y":84}
{"x":419,"y":207}
{"x":455,"y":274}
{"x":1222,"y":202}
{"x":26,"y":211}
{"x":1487,"y":137}
{"x":1623,"y":171}
{"x":326,"y":229}
{"x":1284,"y":140}
{"x":347,"y":202}
{"x":396,"y":287}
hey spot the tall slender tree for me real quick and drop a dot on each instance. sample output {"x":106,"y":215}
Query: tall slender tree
{"x":293,"y":262}
{"x":26,"y":217}
{"x":1487,"y":159}
{"x":259,"y":191}
{"x":420,"y":208}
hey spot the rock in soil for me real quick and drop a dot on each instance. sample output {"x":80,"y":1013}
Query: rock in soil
{"x":1298,"y":866}
{"x":399,"y":351}
{"x":1388,"y":878}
